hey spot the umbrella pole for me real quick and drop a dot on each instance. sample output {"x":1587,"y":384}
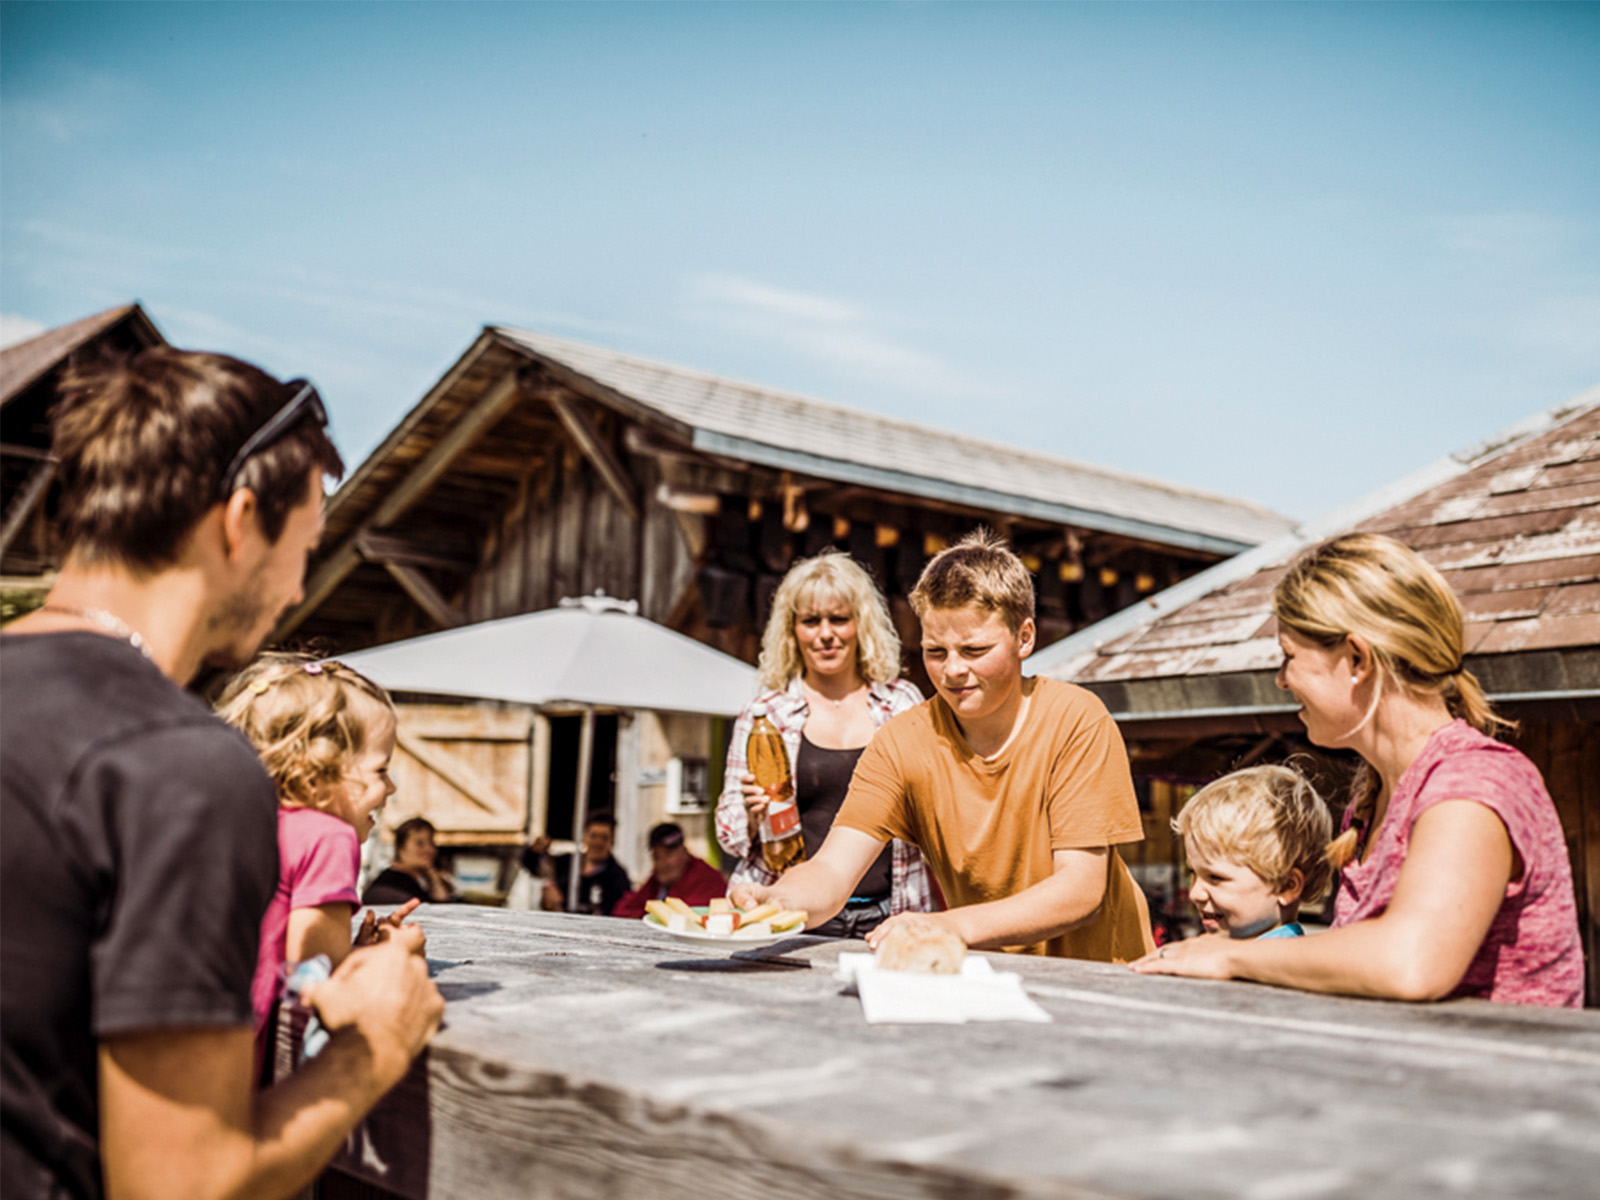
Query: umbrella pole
{"x":580,"y":805}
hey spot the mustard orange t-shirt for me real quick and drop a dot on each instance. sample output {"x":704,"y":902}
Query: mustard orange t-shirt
{"x":988,"y":827}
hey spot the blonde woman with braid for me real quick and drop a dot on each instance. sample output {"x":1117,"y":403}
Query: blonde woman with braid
{"x":1454,"y":878}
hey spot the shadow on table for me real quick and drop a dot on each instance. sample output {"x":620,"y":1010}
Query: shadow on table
{"x":735,"y":965}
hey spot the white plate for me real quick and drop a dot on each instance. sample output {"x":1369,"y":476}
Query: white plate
{"x":736,"y":939}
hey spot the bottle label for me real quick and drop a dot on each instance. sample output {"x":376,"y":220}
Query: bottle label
{"x":781,"y":822}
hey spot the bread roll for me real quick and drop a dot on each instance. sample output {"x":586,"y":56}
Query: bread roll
{"x":918,"y":946}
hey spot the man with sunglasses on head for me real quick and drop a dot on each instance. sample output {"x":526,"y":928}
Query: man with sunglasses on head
{"x":138,"y":844}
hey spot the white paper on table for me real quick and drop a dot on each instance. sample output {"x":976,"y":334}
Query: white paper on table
{"x":852,"y":962}
{"x":979,"y":993}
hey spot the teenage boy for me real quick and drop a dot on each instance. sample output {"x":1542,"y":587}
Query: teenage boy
{"x":138,"y":845}
{"x":1014,"y":789}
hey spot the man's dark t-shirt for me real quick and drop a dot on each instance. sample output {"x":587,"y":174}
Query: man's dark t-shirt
{"x":598,"y":891}
{"x":138,"y":851}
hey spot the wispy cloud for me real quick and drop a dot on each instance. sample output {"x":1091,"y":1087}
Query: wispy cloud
{"x":1565,"y":327}
{"x":14,"y":329}
{"x":77,"y":104}
{"x":411,"y":303}
{"x":839,"y":334}
{"x":1514,"y":238}
{"x":124,"y":266}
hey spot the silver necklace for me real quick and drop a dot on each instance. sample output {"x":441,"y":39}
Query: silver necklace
{"x":839,"y":703}
{"x":107,"y":621}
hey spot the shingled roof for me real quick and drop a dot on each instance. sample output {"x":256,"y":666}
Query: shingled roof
{"x":1514,"y":524}
{"x":29,"y":373}
{"x":789,"y":432}
{"x":25,"y":362}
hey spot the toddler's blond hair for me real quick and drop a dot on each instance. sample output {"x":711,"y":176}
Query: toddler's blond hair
{"x":1269,"y":819}
{"x":308,"y":720}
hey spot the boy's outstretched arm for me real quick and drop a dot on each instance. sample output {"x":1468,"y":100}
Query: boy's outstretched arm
{"x":819,"y":886}
{"x":1072,"y":895}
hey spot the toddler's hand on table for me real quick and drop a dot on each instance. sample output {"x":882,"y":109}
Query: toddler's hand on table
{"x":374,"y":928}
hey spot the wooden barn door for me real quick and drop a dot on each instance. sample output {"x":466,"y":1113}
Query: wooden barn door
{"x":466,"y":769}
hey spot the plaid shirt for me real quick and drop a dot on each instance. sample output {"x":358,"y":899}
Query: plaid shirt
{"x":911,"y":889}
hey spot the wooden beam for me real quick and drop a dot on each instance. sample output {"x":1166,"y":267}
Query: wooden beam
{"x":419,"y":588}
{"x":387,"y":548}
{"x":25,"y":501}
{"x":609,"y":466}
{"x":469,"y":427}
{"x":684,"y":500}
{"x":17,"y":450}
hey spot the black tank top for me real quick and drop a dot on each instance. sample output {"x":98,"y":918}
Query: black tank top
{"x":822,"y":777}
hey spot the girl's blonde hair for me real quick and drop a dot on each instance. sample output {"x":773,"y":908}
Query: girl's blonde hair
{"x":1270,"y":819}
{"x":1398,"y":602}
{"x":308,"y":720}
{"x":832,"y":574}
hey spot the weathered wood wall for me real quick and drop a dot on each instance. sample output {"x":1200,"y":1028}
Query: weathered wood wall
{"x":567,"y":534}
{"x":467,"y":768}
{"x":1567,"y":753}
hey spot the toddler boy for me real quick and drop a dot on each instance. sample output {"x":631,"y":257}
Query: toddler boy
{"x":1257,"y":843}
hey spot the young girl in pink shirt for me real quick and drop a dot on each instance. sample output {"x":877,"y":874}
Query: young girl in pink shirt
{"x":325,"y":734}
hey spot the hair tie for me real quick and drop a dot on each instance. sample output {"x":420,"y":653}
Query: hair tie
{"x":259,"y":687}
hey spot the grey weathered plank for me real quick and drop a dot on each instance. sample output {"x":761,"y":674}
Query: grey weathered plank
{"x":591,"y":1057}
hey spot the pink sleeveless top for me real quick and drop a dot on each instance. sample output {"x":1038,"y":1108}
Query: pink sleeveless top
{"x":1532,"y":954}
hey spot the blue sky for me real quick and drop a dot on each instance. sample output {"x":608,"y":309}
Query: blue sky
{"x":1284,"y":252}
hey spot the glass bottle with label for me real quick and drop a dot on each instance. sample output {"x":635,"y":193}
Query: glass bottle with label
{"x":768,"y":759}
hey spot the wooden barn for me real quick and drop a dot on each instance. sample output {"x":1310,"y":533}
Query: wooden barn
{"x":539,"y":469}
{"x":30,"y":549}
{"x":1513,"y":523}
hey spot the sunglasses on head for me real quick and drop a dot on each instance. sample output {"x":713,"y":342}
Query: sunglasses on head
{"x":304,"y":402}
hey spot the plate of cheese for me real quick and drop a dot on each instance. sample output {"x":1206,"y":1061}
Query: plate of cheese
{"x":720,"y":922}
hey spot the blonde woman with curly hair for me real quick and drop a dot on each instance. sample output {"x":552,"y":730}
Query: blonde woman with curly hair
{"x":325,"y":735}
{"x":830,"y":677}
{"x":1454,"y":877}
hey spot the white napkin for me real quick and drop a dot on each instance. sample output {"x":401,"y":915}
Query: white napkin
{"x":979,"y":993}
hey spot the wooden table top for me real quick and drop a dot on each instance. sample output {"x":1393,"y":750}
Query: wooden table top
{"x":591,"y":1057}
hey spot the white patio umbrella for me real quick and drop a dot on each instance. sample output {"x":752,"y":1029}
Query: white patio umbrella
{"x":592,"y":650}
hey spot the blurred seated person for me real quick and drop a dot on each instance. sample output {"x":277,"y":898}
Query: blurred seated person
{"x":602,"y":882}
{"x":413,"y":875}
{"x":675,"y":872}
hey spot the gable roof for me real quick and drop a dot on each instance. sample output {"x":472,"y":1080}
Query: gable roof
{"x":25,"y":362}
{"x":788,"y":432}
{"x":1514,"y":524}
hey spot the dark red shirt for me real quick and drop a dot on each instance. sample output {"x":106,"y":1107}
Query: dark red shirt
{"x":700,"y":883}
